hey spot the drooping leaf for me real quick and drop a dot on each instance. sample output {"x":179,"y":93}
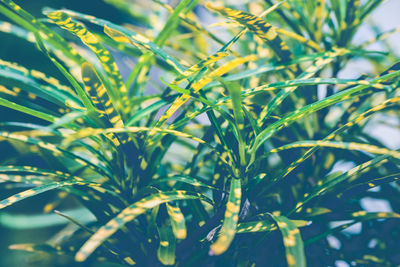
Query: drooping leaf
{"x":129,"y":214}
{"x":292,"y":241}
{"x":166,"y":249}
{"x":177,"y":221}
{"x":228,"y":230}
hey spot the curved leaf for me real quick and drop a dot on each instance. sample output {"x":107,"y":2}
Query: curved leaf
{"x":228,"y":230}
{"x":292,"y":241}
{"x":129,"y":214}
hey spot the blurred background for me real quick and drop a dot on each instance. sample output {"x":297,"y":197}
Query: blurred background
{"x":19,"y":228}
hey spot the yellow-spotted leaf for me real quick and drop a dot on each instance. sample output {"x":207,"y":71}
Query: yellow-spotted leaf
{"x":98,"y":94}
{"x":40,"y":189}
{"x":320,"y":15}
{"x":129,"y":214}
{"x":183,"y":179}
{"x":201,"y":83}
{"x":228,"y":230}
{"x":341,"y":145}
{"x":357,"y":119}
{"x":204,"y":63}
{"x":117,"y":87}
{"x":166,"y":249}
{"x":263,"y":226}
{"x":328,"y":184}
{"x":292,"y":241}
{"x":260,"y":27}
{"x":93,"y":164}
{"x":177,"y":221}
{"x":121,"y":36}
{"x":355,"y":217}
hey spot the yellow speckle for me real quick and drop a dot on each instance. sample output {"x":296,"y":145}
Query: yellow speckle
{"x":290,"y":260}
{"x":164,"y":243}
{"x":289,"y":241}
{"x":232,"y":207}
{"x":181,"y":234}
{"x":359,"y":213}
{"x":282,"y":224}
{"x":238,"y":192}
{"x":129,"y":260}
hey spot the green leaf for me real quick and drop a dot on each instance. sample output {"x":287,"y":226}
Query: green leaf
{"x":94,"y":164}
{"x":23,"y":222}
{"x":324,"y":186}
{"x":26,"y":20}
{"x":117,"y":86}
{"x":141,"y":69}
{"x":341,"y":145}
{"x":309,"y":109}
{"x":358,"y":216}
{"x":177,"y":221}
{"x":261,"y":28}
{"x":40,"y":189}
{"x":166,"y":249}
{"x":198,"y":85}
{"x":35,"y":113}
{"x":292,"y":241}
{"x":129,"y":214}
{"x":228,"y":230}
{"x":183,"y":179}
{"x":263,"y":226}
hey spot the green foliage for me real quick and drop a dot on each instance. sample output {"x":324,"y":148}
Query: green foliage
{"x":209,"y":147}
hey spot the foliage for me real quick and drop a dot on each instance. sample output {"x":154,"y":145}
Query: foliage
{"x":222,"y":146}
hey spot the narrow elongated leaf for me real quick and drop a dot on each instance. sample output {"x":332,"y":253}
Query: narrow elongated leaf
{"x":129,"y":214}
{"x":324,"y":186}
{"x":287,"y":120}
{"x":342,"y":145}
{"x":166,"y":249}
{"x":94,"y":164}
{"x":292,"y":241}
{"x":201,"y":83}
{"x":204,"y":63}
{"x":98,"y":94}
{"x":261,"y":28}
{"x":177,"y":220}
{"x":184,"y":179}
{"x":117,"y":87}
{"x":35,"y":113}
{"x":57,"y":88}
{"x":263,"y":226}
{"x":235,"y":93}
{"x":358,"y":216}
{"x":299,"y":38}
{"x":228,"y":230}
{"x":26,"y":20}
{"x":320,"y":16}
{"x":38,"y":190}
{"x":140,"y":72}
